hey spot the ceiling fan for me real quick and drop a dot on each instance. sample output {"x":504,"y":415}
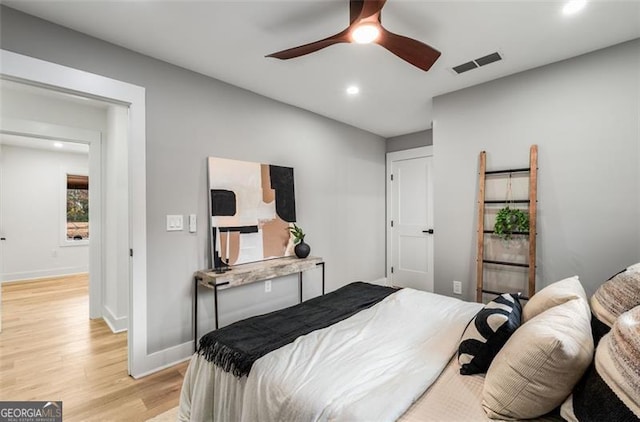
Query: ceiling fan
{"x":366,"y":27}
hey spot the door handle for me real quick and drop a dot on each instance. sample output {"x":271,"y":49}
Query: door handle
{"x":3,"y":238}
{"x":430,"y":231}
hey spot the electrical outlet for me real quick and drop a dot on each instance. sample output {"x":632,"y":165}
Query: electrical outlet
{"x":54,"y":253}
{"x":267,"y":286}
{"x":457,"y":287}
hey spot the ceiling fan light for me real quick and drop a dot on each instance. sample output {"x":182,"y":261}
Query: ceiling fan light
{"x":573,"y":6}
{"x":365,"y":33}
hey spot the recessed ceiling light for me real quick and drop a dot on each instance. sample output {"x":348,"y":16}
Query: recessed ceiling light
{"x":365,"y":33}
{"x":57,"y":144}
{"x":573,"y":6}
{"x":353,"y":90}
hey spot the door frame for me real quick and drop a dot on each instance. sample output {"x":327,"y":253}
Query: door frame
{"x":38,"y":72}
{"x":48,"y":132}
{"x":407,"y":154}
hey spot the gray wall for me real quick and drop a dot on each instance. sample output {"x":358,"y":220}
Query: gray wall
{"x":584,"y":115}
{"x":410,"y":140}
{"x":339,"y":174}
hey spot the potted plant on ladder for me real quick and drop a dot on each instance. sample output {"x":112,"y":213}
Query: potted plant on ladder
{"x":509,"y":219}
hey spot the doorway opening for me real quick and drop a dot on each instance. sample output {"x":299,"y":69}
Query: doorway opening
{"x":35,"y":72}
{"x":63,"y":216}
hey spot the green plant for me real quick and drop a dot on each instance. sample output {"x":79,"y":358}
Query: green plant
{"x":509,"y":220}
{"x":298,"y":234}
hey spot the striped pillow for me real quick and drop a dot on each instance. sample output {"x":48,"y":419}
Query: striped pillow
{"x":617,"y":295}
{"x":611,"y":389}
{"x":487,"y":332}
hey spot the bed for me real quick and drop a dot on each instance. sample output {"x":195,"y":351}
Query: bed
{"x":394,"y":360}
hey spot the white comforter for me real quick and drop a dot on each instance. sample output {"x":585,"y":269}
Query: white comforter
{"x":370,"y":367}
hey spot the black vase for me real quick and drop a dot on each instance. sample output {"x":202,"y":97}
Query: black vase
{"x":302,"y":250}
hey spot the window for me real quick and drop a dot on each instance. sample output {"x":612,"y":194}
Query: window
{"x":77,"y":196}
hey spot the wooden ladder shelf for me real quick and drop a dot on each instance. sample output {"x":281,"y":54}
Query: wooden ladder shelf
{"x":532,"y":202}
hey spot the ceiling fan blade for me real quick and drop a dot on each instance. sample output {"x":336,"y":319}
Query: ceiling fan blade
{"x":290,"y":53}
{"x":362,"y":9}
{"x":408,"y":49}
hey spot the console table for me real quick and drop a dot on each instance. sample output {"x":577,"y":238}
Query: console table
{"x":239,"y":275}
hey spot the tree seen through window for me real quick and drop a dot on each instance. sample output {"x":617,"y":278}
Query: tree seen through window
{"x":77,"y":207}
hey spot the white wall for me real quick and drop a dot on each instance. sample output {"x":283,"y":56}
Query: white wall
{"x":339,"y":175}
{"x":584,"y":115}
{"x":30,"y":195}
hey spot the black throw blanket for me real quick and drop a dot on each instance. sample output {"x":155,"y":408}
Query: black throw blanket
{"x":235,"y":347}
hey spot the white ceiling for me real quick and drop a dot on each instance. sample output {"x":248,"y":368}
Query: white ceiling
{"x":7,"y":88}
{"x":228,"y":40}
{"x":42,"y":143}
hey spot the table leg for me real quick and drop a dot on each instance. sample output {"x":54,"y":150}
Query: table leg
{"x":195,"y":314}
{"x":322,"y":265}
{"x":300,"y":284}
{"x":215,"y":303}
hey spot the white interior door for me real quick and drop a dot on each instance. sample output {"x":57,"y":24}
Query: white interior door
{"x":410,"y":218}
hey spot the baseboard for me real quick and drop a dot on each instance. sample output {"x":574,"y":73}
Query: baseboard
{"x":165,"y":358}
{"x":117,"y":324}
{"x":39,"y":274}
{"x":381,"y":281}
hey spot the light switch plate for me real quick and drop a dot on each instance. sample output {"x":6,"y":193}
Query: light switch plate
{"x":174,"y":223}
{"x":193,"y":225}
{"x":457,"y":287}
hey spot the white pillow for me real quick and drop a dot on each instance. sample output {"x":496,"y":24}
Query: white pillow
{"x":540,"y":364}
{"x":554,"y":294}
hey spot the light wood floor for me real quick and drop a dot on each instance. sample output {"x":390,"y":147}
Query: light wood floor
{"x":51,"y":350}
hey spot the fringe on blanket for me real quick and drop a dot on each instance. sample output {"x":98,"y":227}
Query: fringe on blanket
{"x":227,"y":358}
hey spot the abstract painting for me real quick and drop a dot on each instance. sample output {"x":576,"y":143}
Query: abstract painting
{"x":252,"y":206}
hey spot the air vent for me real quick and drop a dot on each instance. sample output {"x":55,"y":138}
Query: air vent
{"x":474,"y":64}
{"x":465,"y":67}
{"x":490,"y":58}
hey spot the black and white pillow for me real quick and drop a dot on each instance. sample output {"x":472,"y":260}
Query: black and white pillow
{"x":487,"y":332}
